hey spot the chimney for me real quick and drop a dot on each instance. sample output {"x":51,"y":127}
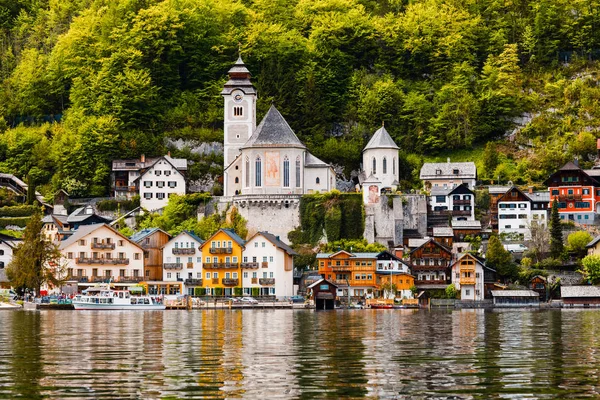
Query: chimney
{"x":399,"y":252}
{"x":169,"y":153}
{"x":143,"y":158}
{"x":530,"y":189}
{"x":576,"y":161}
{"x":448,"y":160}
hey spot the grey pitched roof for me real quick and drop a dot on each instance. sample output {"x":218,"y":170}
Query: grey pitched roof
{"x":514,"y":293}
{"x":593,"y":242}
{"x":239,"y":78}
{"x":140,"y":235}
{"x":381,"y":139}
{"x":579,"y":291}
{"x":273,"y":131}
{"x":538,"y":196}
{"x":569,"y":166}
{"x":83,"y":213}
{"x":277,"y":242}
{"x":498,"y":189}
{"x":234,"y":236}
{"x":371,"y":179}
{"x":355,"y":255}
{"x":190,"y":234}
{"x":319,"y":282}
{"x":466,"y":224}
{"x":446,"y":170}
{"x":78,"y":234}
{"x":443,"y":232}
{"x":437,"y":191}
{"x":312,"y":161}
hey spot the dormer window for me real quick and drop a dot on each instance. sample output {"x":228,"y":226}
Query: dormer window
{"x":438,"y":171}
{"x":237,"y":111}
{"x":455,"y":172}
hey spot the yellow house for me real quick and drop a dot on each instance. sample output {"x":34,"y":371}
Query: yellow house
{"x":221,"y":259}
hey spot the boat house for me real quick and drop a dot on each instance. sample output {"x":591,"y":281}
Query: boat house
{"x":515,"y":298}
{"x":580,"y":296}
{"x":324,"y":294}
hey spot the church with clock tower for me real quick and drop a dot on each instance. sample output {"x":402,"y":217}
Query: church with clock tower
{"x":267,"y":159}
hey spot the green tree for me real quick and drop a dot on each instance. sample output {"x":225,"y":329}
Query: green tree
{"x":36,"y":260}
{"x":490,"y":159}
{"x":451,"y":292}
{"x":591,"y":268}
{"x":578,"y":241}
{"x":556,"y":237}
{"x":389,"y":290}
{"x":500,"y":259}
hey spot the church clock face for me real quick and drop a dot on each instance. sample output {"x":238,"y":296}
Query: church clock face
{"x":237,"y":97}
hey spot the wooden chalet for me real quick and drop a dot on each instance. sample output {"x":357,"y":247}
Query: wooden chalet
{"x":430,"y":264}
{"x":152,"y":241}
{"x":324,"y":294}
{"x":539,"y":284}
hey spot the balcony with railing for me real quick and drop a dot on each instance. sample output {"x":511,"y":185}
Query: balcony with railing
{"x":254,"y":280}
{"x":429,"y":268}
{"x":189,"y":265}
{"x":264,"y":264}
{"x":221,"y":250}
{"x":467,"y":281}
{"x":220,"y":266}
{"x":102,"y":261}
{"x":570,"y":197}
{"x":184,"y":250}
{"x":173,"y":266}
{"x":431,"y":282}
{"x":230,"y":281}
{"x":193,"y":282}
{"x":103,"y":246}
{"x":341,"y":268}
{"x":249,"y":265}
{"x":266,"y":281}
{"x":129,"y":279}
{"x":215,"y":281}
{"x":461,"y":202}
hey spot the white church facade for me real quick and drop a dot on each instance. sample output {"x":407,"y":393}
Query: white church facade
{"x":380,"y":166}
{"x":267,"y":159}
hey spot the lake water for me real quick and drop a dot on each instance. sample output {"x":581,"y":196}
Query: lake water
{"x":300,"y":354}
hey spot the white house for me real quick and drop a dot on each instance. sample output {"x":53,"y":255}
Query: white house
{"x":391,"y":269}
{"x":164,"y":178}
{"x":268,"y":264}
{"x":469,"y":276}
{"x":448,"y":175}
{"x":182,"y":261}
{"x":457,"y":201}
{"x":518,"y":211}
{"x":7,"y":247}
{"x":98,"y":253}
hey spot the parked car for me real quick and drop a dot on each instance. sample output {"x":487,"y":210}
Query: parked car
{"x":297,"y":299}
{"x":516,"y":248}
{"x":249,"y":300}
{"x":233,"y":299}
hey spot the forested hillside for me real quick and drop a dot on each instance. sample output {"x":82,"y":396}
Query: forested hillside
{"x":86,"y":81}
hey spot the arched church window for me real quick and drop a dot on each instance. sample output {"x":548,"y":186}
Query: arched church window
{"x":298,"y":171}
{"x":247,"y":172}
{"x":258,"y":170}
{"x":374,"y":170}
{"x":384,"y":169}
{"x":237,"y":111}
{"x":318,"y":181}
{"x":286,"y":172}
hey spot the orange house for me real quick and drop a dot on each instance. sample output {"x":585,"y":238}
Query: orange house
{"x":221,"y":260}
{"x":353,"y":273}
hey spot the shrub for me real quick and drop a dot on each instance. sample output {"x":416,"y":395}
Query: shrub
{"x":17,"y":221}
{"x":218,"y":291}
{"x":199,"y":291}
{"x":255,"y":291}
{"x":114,"y":205}
{"x":18,"y":211}
{"x":237,"y":291}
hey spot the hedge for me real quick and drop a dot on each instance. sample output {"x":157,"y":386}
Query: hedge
{"x":114,"y":205}
{"x":18,"y":221}
{"x":255,"y":292}
{"x":218,"y":291}
{"x":18,"y":211}
{"x":237,"y":291}
{"x":199,"y":291}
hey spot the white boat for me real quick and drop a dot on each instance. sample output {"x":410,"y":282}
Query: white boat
{"x":109,"y":299}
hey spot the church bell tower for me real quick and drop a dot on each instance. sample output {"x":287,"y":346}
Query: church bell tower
{"x":240,"y":110}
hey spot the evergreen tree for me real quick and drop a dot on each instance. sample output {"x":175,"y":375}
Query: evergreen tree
{"x":556,"y":237}
{"x":500,"y":259}
{"x":490,"y":159}
{"x":36,"y":261}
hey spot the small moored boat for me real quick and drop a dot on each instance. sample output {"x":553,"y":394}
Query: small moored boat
{"x":381,"y":305}
{"x":108,"y":299}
